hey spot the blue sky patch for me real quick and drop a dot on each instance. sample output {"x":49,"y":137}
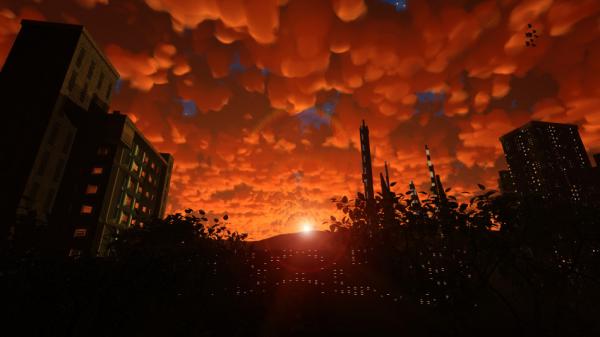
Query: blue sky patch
{"x":189,"y":107}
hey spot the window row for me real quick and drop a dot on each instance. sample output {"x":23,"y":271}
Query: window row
{"x":90,"y":74}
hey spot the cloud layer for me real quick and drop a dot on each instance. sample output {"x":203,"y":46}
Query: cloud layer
{"x":260,"y":100}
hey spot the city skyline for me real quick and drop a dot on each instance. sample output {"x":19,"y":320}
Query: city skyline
{"x":261,"y":115}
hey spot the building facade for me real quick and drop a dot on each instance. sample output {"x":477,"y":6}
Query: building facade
{"x":548,"y":161}
{"x":116,"y":179}
{"x":74,"y":169}
{"x":50,"y":70}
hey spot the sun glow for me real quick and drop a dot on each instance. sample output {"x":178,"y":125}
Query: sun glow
{"x":307,"y":227}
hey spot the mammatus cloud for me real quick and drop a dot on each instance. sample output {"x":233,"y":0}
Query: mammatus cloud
{"x":260,"y":100}
{"x":92,"y":3}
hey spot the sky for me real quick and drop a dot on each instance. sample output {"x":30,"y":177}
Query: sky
{"x":260,"y":101}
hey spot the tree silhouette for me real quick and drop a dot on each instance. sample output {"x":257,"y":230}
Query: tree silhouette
{"x":518,"y":259}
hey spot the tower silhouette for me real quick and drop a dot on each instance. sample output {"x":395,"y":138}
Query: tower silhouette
{"x":367,"y":170}
{"x":414,"y":197}
{"x":388,"y":198}
{"x":437,"y":190}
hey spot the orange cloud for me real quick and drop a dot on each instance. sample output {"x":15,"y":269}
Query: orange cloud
{"x":92,"y":3}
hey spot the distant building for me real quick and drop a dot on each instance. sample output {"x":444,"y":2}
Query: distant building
{"x":51,"y":69}
{"x":548,"y":161}
{"x":115,"y":179}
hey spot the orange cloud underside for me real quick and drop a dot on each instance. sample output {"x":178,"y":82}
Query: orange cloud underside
{"x":251,"y":67}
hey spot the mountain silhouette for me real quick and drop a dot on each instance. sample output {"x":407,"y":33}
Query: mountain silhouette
{"x":320,"y":240}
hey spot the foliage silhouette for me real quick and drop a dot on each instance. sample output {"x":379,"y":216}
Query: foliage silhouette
{"x":476,"y":263}
{"x":533,"y":266}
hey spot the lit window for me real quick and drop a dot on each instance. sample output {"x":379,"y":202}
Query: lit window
{"x":127,"y":201}
{"x":124,"y":218}
{"x":97,"y":170}
{"x":134,"y":167}
{"x":91,"y":189}
{"x":140,"y":190}
{"x":137,"y":205}
{"x":152,"y":165}
{"x":80,"y":233}
{"x":143,"y":174}
{"x":86,"y":209}
{"x":144,"y":209}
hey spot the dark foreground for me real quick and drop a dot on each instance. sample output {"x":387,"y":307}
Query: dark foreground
{"x":313,"y":289}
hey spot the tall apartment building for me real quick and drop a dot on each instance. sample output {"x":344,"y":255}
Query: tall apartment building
{"x":70,"y":165}
{"x":114,"y":179}
{"x":51,"y":69}
{"x":548,"y":161}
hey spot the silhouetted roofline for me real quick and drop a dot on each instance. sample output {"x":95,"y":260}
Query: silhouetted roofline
{"x":536,"y":123}
{"x":77,"y":28}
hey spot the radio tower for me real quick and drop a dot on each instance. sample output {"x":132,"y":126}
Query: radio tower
{"x":437,"y":191}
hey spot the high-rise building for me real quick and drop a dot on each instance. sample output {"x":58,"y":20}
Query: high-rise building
{"x":80,"y":171}
{"x":548,"y":161}
{"x":51,"y":69}
{"x":115,"y":179}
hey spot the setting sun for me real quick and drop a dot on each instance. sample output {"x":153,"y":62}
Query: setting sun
{"x":307,"y":227}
